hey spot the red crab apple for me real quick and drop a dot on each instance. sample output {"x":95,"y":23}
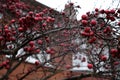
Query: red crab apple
{"x":12,"y":38}
{"x":37,"y":63}
{"x":47,"y":39}
{"x":96,"y":9}
{"x":107,"y":29}
{"x":103,"y":58}
{"x":32,"y":48}
{"x":31,"y":43}
{"x":84,"y":34}
{"x":102,"y":11}
{"x":113,"y":51}
{"x":84,"y":22}
{"x":52,"y":52}
{"x":107,"y":11}
{"x":62,"y":44}
{"x":108,"y":17}
{"x":90,"y":66}
{"x":87,"y":29}
{"x":84,"y":17}
{"x":41,"y":13}
{"x":13,"y":20}
{"x":52,"y":19}
{"x":20,"y":29}
{"x":5,"y":63}
{"x":7,"y":30}
{"x":63,"y":13}
{"x":45,"y":10}
{"x":37,"y":51}
{"x":44,"y":24}
{"x":14,"y":32}
{"x":112,"y":18}
{"x":40,"y":42}
{"x":31,"y":13}
{"x":6,"y":26}
{"x":91,"y":33}
{"x":93,"y":22}
{"x":116,"y":63}
{"x":26,"y":48}
{"x":48,"y":51}
{"x":36,"y":18}
{"x":93,"y":39}
{"x":37,"y":15}
{"x":112,"y":11}
{"x":40,"y":18}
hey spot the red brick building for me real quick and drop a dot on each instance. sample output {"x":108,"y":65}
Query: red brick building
{"x":46,"y":72}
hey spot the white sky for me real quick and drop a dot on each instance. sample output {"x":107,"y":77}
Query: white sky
{"x":86,"y":5}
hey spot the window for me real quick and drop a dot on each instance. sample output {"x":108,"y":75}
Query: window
{"x":80,"y":62}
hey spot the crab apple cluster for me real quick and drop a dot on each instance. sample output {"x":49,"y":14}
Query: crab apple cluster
{"x":87,"y":32}
{"x":98,"y":30}
{"x":110,"y":15}
{"x":85,"y":21}
{"x":32,"y":20}
{"x":26,"y":22}
{"x":7,"y":35}
{"x":96,"y":26}
{"x":107,"y":29}
{"x":92,"y":39}
{"x":32,"y":47}
{"x":50,"y":51}
{"x":15,"y":7}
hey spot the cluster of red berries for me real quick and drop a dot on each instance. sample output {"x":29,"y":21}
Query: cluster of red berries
{"x":5,"y":64}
